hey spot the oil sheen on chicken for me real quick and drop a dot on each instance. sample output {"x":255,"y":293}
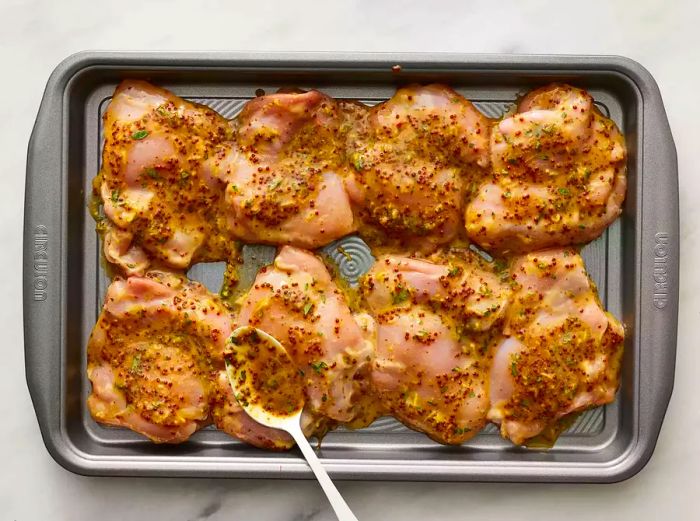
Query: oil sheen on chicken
{"x":160,"y":203}
{"x":285,"y":174}
{"x":561,"y":350}
{"x":436,"y":324}
{"x":558,"y":175}
{"x":413,"y":158}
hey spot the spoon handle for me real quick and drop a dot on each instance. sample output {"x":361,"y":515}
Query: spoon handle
{"x":341,"y":508}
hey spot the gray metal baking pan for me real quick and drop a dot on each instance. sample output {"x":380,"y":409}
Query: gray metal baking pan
{"x":635,"y":265}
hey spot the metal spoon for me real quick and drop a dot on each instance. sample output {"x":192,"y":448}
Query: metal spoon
{"x":269,"y":388}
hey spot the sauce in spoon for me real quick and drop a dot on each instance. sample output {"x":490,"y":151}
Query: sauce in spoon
{"x":268,"y":386}
{"x":263,"y":375}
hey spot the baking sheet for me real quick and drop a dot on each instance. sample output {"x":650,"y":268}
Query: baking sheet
{"x":627,"y":262}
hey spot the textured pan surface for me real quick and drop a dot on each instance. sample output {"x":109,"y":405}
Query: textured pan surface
{"x":604,"y":444}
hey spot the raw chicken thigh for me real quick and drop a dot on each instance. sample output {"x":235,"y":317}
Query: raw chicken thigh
{"x":561,"y":352}
{"x":414,"y":157}
{"x":558,"y":175}
{"x":158,"y":201}
{"x":296,"y":301}
{"x":435,"y":327}
{"x":155,"y":362}
{"x":285,"y":175}
{"x":151,"y":355}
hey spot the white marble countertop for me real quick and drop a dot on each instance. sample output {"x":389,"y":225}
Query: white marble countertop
{"x":36,"y":35}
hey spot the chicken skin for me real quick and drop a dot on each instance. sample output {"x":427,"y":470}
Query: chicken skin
{"x":414,"y":157}
{"x":160,"y":204}
{"x":155,"y":360}
{"x":561,"y":350}
{"x":285,"y":174}
{"x":296,"y":301}
{"x":436,"y":324}
{"x":558,"y":175}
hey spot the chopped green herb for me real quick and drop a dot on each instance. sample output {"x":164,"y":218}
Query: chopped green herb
{"x":400,"y":295}
{"x":454,"y":271}
{"x":500,"y":265}
{"x":324,"y":398}
{"x":507,"y":194}
{"x":152,"y":173}
{"x":358,"y":162}
{"x":344,"y":253}
{"x":564,"y":191}
{"x":139,"y":134}
{"x":241,"y":399}
{"x":472,"y":394}
{"x":422,"y":334}
{"x":275,"y":184}
{"x":135,"y":364}
{"x":188,"y":320}
{"x":184,"y":176}
{"x":317,"y":367}
{"x":485,"y":291}
{"x":514,"y":364}
{"x":307,"y":308}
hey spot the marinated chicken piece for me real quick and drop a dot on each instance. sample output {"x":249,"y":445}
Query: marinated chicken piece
{"x":152,"y":353}
{"x":155,"y":360}
{"x":558,"y":175}
{"x":160,"y":203}
{"x":285,"y":176}
{"x":436,"y":324}
{"x":414,"y":157}
{"x":296,"y":301}
{"x":561,"y":352}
